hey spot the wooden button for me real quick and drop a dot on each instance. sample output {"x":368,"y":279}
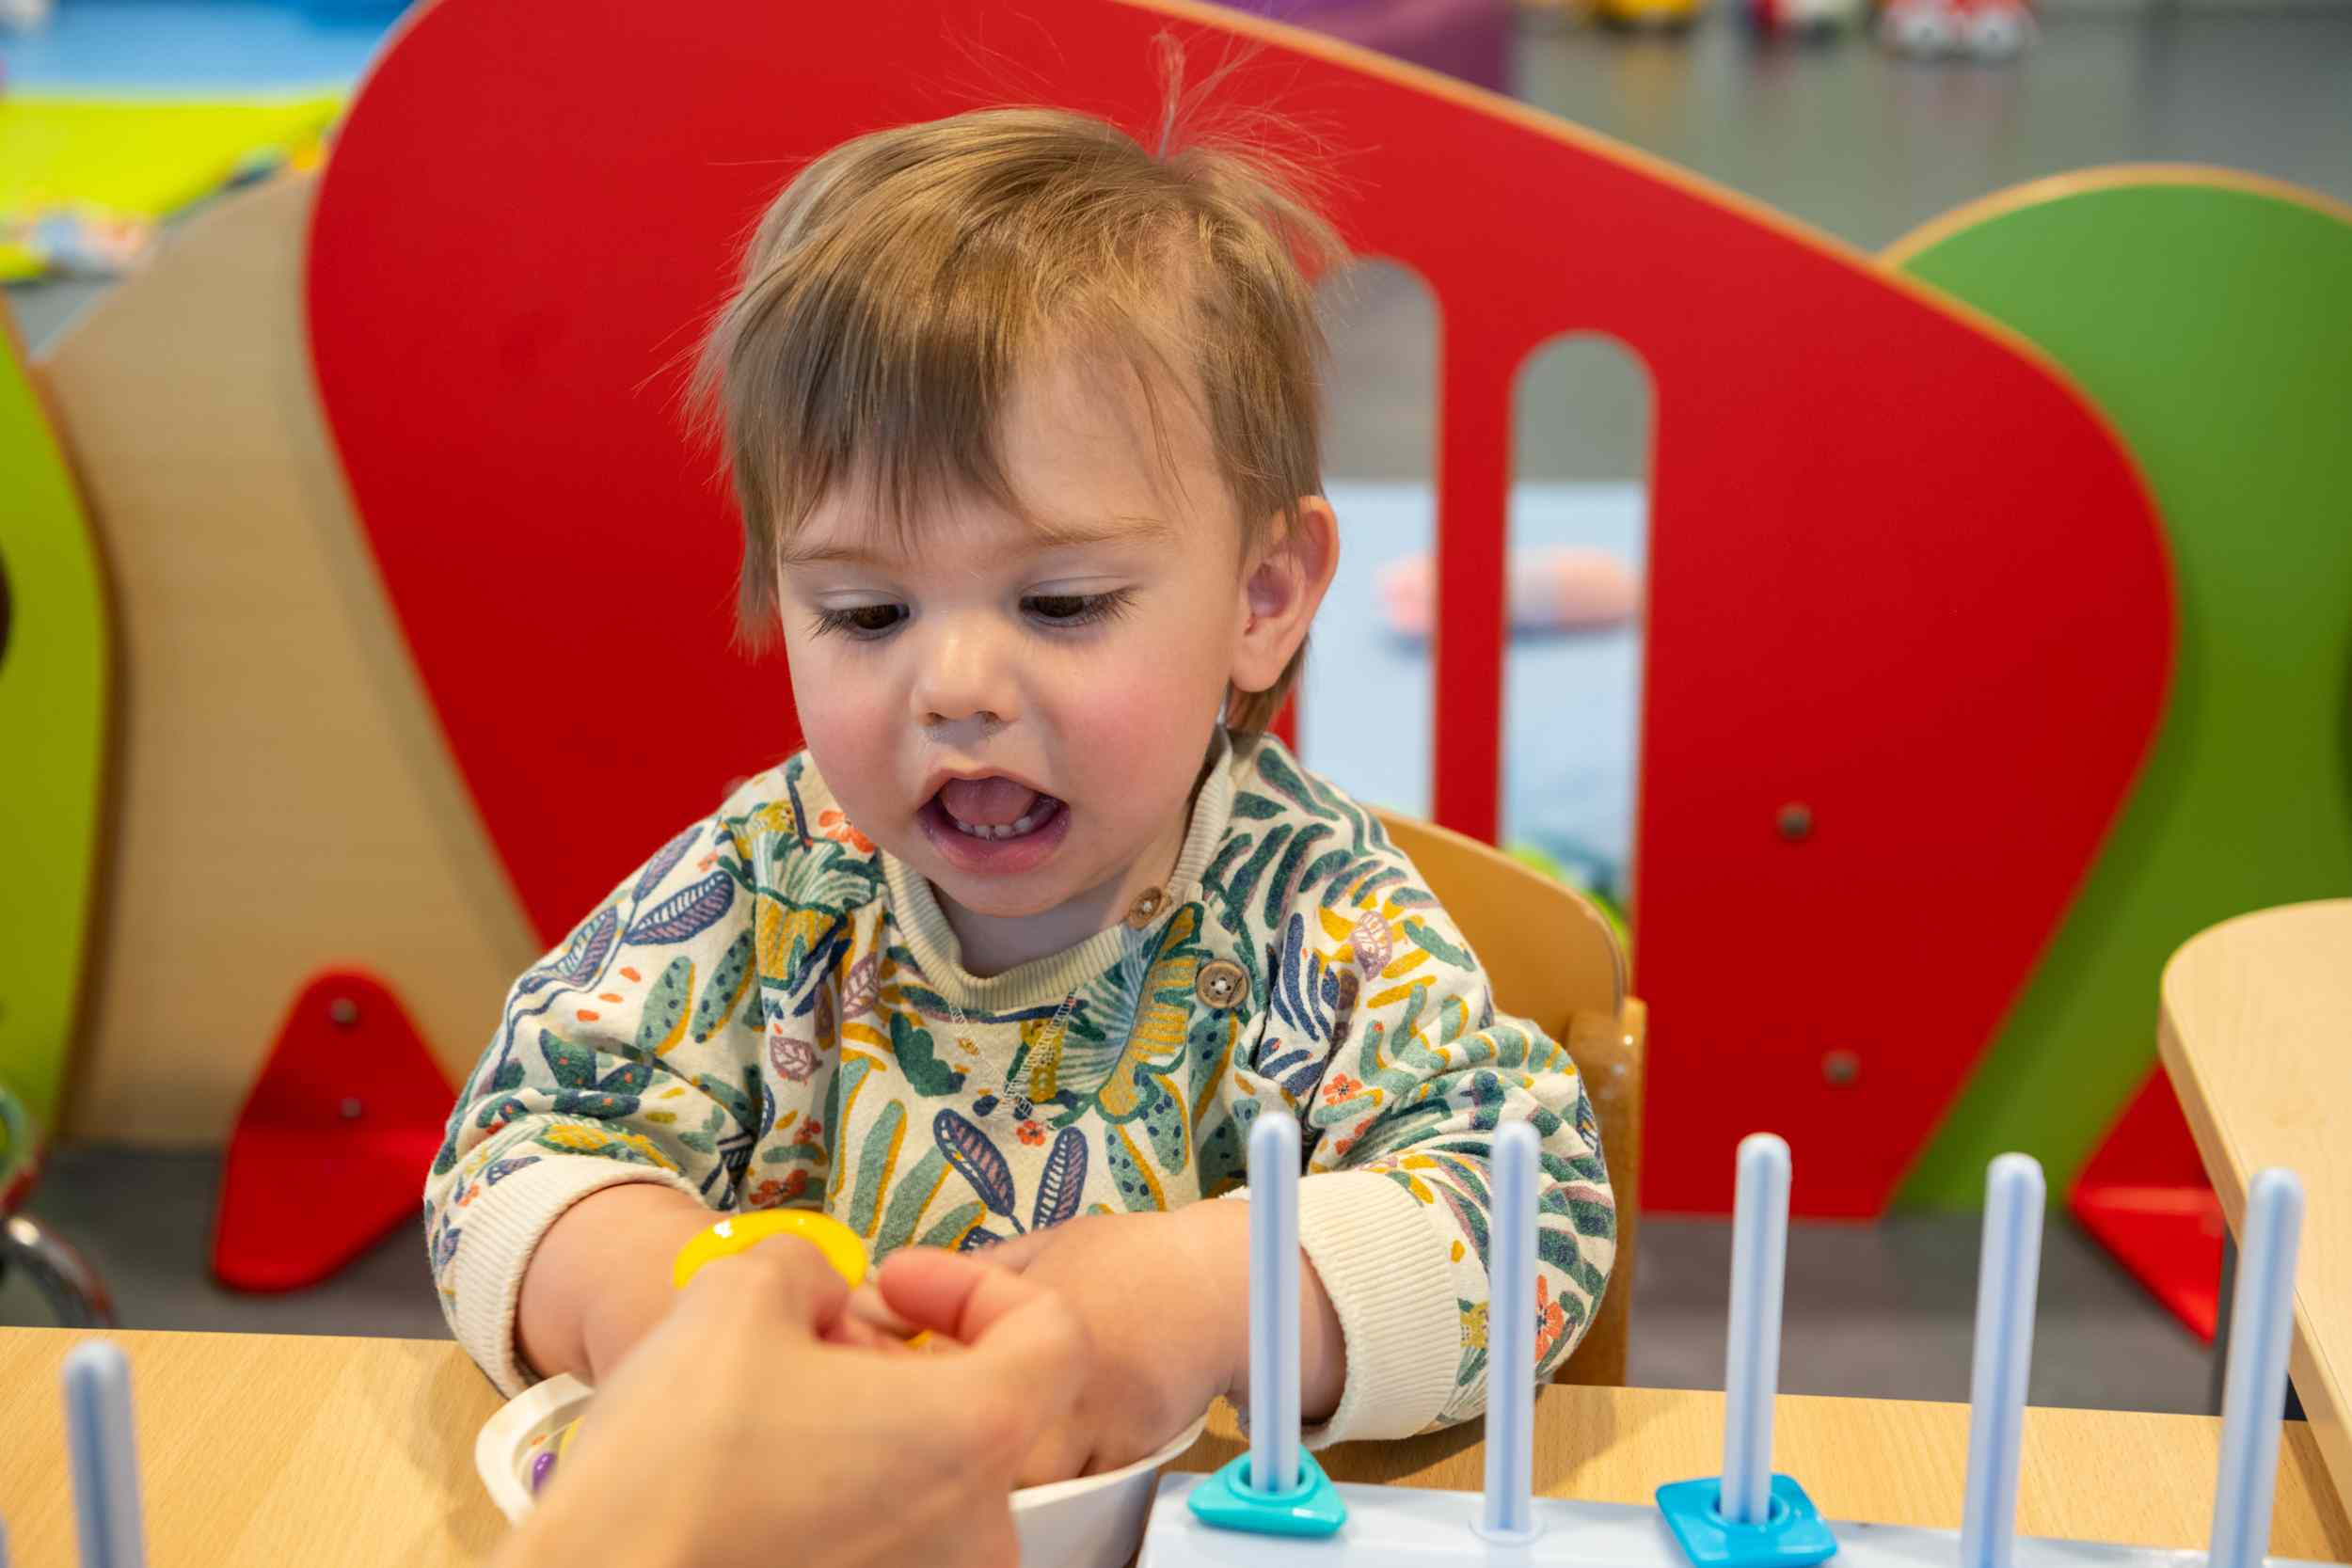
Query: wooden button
{"x":1146,"y":908}
{"x":1220,"y":983}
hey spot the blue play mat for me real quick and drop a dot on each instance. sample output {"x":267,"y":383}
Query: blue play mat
{"x":216,"y":47}
{"x":1572,"y":703}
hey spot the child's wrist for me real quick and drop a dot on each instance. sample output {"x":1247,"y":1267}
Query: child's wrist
{"x":640,"y":1227}
{"x":1221,"y":1256}
{"x":1215,"y":1265}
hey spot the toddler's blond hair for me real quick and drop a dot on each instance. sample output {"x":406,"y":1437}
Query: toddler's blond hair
{"x":902,"y":281}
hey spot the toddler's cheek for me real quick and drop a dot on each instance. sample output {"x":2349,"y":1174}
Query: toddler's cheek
{"x":1141,"y":751}
{"x":852,"y":747}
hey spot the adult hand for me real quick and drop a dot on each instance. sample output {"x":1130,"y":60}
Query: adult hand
{"x":732,"y":1434}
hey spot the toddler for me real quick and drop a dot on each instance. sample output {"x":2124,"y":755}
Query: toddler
{"x":1022,"y":423}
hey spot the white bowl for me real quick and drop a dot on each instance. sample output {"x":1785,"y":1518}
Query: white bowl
{"x":1093,"y":1522}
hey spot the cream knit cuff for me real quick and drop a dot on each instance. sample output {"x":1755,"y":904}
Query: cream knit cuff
{"x":1385,"y":1262}
{"x":498,"y":1232}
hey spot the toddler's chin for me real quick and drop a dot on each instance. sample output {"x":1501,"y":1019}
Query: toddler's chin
{"x":994,"y":900}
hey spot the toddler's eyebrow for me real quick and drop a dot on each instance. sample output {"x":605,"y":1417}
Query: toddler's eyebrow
{"x":826,"y":555}
{"x":1052,"y":534}
{"x":1110,"y":531}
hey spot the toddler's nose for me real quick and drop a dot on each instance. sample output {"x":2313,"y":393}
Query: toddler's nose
{"x":966,"y":678}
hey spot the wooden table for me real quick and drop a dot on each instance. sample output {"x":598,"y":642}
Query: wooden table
{"x":2256,"y":1034}
{"x":266,"y":1450}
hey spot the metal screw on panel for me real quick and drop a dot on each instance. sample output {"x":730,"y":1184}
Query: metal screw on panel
{"x":352,"y":1108}
{"x":344,"y":1012}
{"x":1795,"y":821}
{"x":1840,"y":1067}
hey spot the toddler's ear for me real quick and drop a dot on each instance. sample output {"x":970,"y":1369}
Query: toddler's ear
{"x":1283,"y":585}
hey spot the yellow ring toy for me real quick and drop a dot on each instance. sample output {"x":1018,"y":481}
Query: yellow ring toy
{"x":742,"y":1232}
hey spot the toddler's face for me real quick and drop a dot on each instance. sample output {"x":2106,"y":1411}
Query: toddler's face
{"x":1016,"y":707}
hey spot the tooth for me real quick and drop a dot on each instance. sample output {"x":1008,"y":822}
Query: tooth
{"x":1024,"y":824}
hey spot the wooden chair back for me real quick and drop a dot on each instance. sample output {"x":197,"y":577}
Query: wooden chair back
{"x":1555,"y":960}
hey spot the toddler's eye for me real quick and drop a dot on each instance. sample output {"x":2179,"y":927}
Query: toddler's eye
{"x":862,"y":621}
{"x":1076,"y":609}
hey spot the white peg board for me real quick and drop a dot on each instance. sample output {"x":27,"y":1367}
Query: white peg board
{"x":1397,"y":1526}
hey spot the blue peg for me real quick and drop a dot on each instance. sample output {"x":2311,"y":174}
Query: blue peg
{"x":1509,"y":1515}
{"x":2254,"y":1390}
{"x":105,"y":1465}
{"x":2009,"y":1267}
{"x":1277,"y":1488}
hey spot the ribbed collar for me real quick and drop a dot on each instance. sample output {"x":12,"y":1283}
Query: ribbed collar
{"x":1039,"y":981}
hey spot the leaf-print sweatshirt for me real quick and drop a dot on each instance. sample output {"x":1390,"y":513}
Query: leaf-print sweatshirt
{"x":770,"y":1011}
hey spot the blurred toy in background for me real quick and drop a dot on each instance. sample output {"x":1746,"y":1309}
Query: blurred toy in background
{"x":1807,"y":18}
{"x":1653,"y":15}
{"x":1467,"y":40}
{"x":1672,"y":15}
{"x":1562,"y":589}
{"x":87,"y":182}
{"x":1987,"y":29}
{"x":23,"y":16}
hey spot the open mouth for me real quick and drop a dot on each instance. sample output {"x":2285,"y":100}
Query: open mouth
{"x":995,"y":824}
{"x":994,"y":809}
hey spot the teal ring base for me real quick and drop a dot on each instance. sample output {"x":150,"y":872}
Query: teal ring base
{"x":1794,"y":1536}
{"x":1226,"y":1500}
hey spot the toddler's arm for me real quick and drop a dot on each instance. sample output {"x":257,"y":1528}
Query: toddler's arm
{"x":612,"y":1112}
{"x":1401,"y":1071}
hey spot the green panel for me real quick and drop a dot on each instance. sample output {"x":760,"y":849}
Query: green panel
{"x":2213,"y":325}
{"x":53,"y":684}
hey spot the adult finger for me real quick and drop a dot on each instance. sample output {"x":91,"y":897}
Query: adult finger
{"x":1022,"y":1330}
{"x":783,"y":1274}
{"x":867,"y":1306}
{"x":847,"y":1333}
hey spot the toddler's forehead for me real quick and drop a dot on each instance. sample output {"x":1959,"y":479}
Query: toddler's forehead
{"x":1081,"y":451}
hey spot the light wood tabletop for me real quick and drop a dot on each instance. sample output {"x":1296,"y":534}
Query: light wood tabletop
{"x":267,"y":1449}
{"x":2256,"y":1034}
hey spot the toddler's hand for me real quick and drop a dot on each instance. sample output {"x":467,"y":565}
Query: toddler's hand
{"x":599,"y":1280}
{"x":1165,"y":1301}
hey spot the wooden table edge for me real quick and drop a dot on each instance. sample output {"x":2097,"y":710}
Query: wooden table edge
{"x":2315,"y":1381}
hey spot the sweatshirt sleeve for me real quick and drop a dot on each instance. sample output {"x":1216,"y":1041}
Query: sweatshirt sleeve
{"x":1388,"y":1043}
{"x":628,"y":1054}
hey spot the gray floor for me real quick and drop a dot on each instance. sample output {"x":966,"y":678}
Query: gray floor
{"x":144,"y":1221}
{"x":1883,"y":1311}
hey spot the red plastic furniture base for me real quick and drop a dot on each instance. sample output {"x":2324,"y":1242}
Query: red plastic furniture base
{"x":331,"y":1151}
{"x":2145,"y":1198}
